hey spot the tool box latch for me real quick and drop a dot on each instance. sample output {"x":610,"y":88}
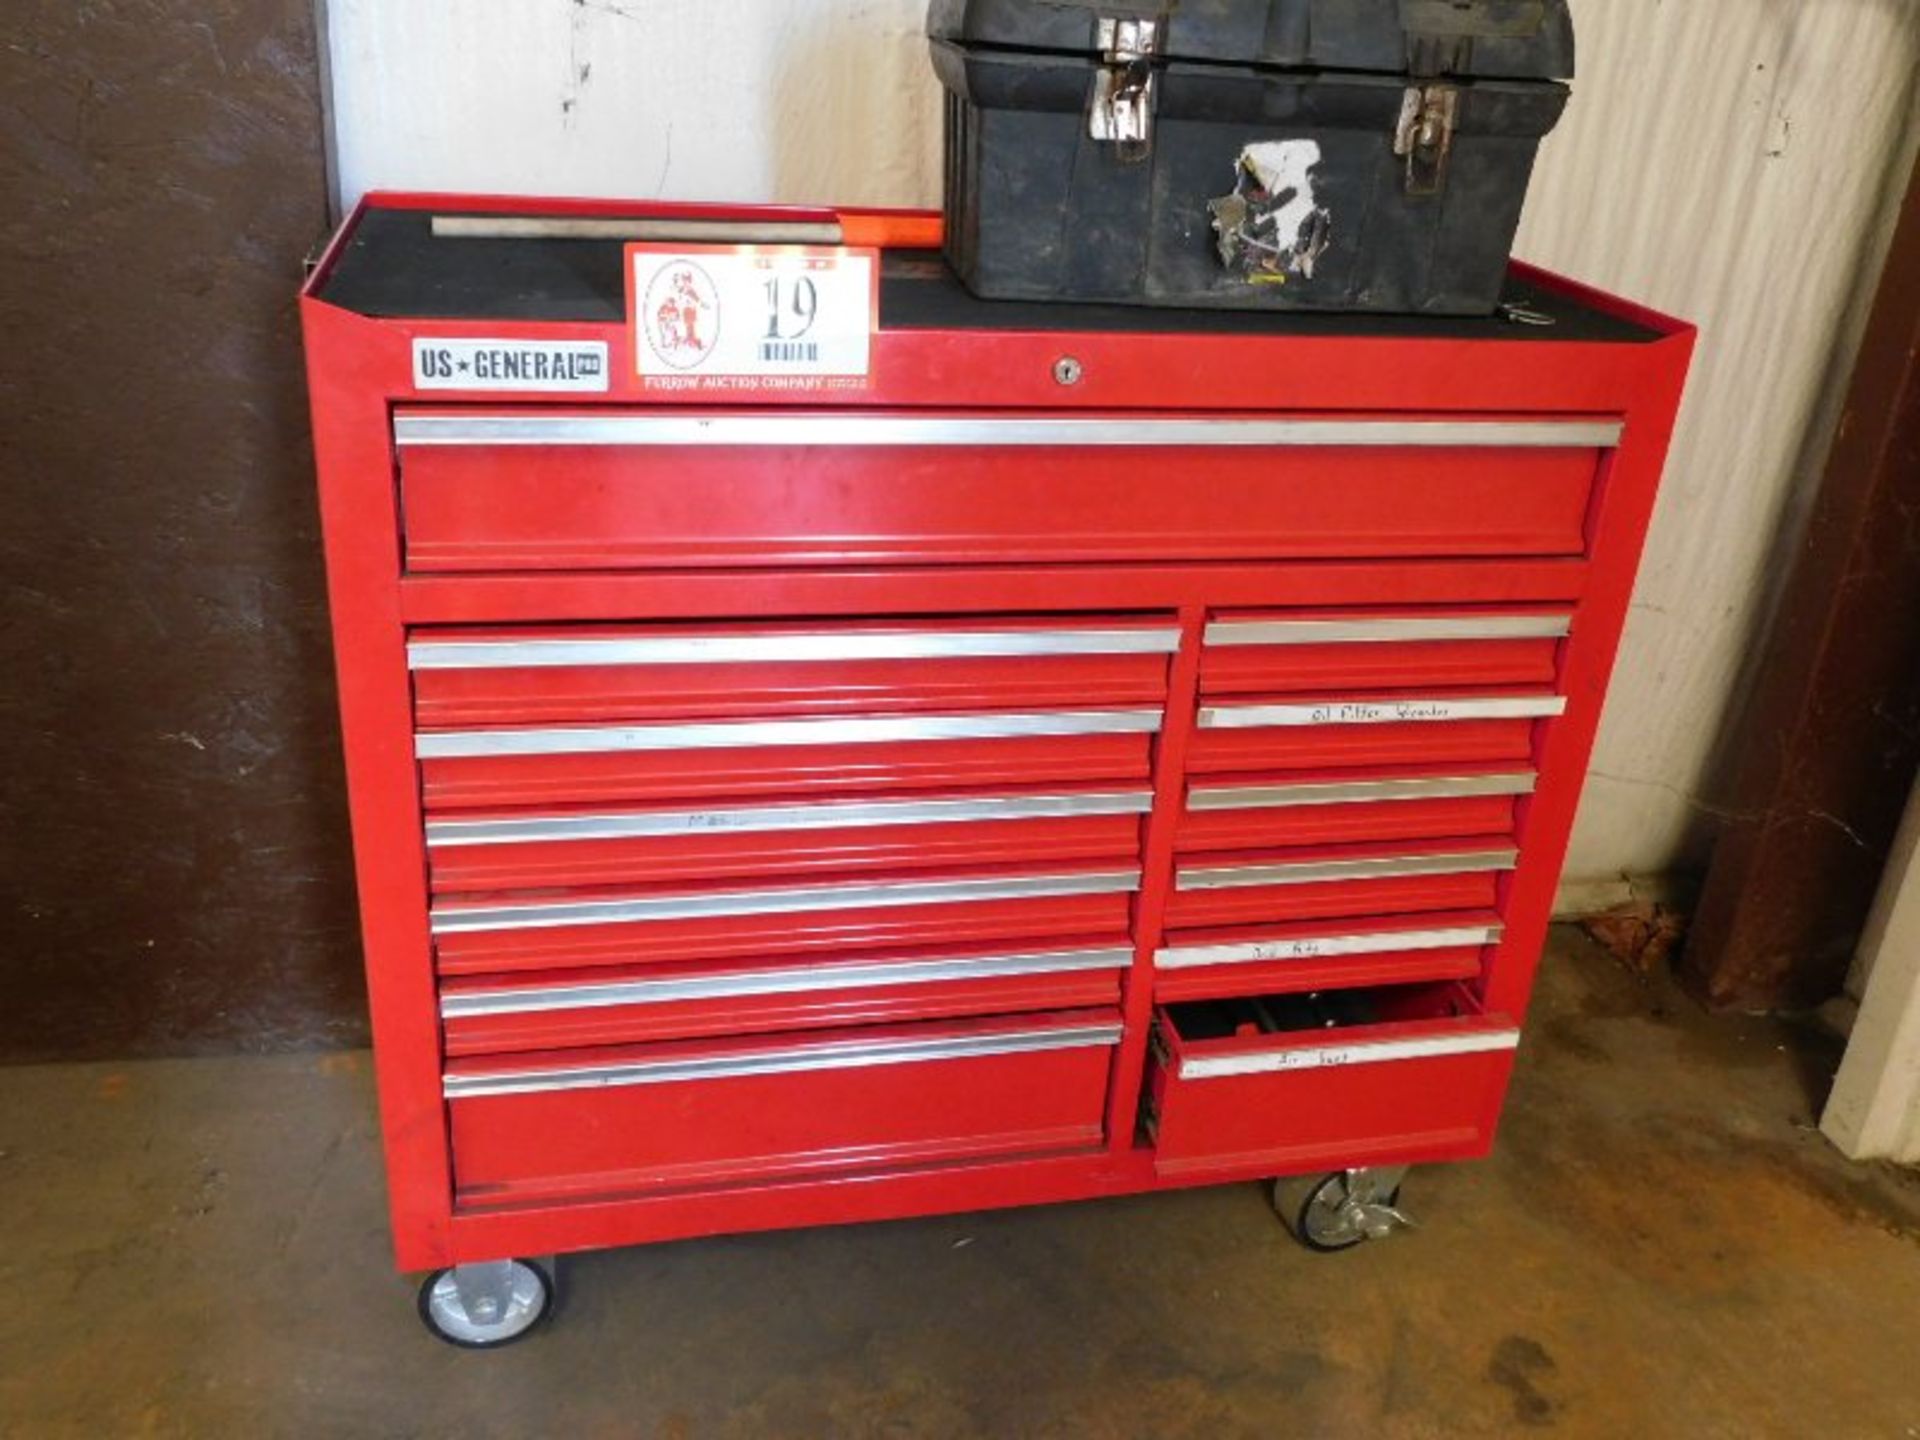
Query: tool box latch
{"x":1123,"y":85}
{"x":1424,"y":135}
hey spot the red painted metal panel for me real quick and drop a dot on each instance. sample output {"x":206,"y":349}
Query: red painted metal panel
{"x":838,"y":1000}
{"x":507,"y":694}
{"x":1344,"y":746}
{"x":777,"y":932}
{"x":1425,"y":1105}
{"x":1336,"y":899}
{"x":712,"y":852}
{"x":1274,"y":826}
{"x":814,"y":770}
{"x":551,"y":596}
{"x":1293,"y":958}
{"x":593,"y":507}
{"x":1330,"y":668}
{"x":692,"y":1132}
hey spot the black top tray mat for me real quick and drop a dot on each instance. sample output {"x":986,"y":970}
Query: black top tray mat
{"x":393,"y":266}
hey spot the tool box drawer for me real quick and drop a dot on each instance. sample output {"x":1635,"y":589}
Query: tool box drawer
{"x":1278,"y":959}
{"x":1291,"y":651}
{"x":532,"y":675}
{"x":709,"y":1112}
{"x":1391,"y":1075}
{"x":1249,"y":813}
{"x":597,"y":927}
{"x":570,"y":490}
{"x":842,"y":755}
{"x":1281,"y":886}
{"x":533,"y":849}
{"x":494,"y":1014}
{"x":1342,"y":731}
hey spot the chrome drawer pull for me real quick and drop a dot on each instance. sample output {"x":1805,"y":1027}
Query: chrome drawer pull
{"x":734,"y":734}
{"x":1389,"y":627}
{"x":467,"y":919}
{"x":844,"y":1055}
{"x":758,"y":649}
{"x":1345,"y":792}
{"x":1076,"y":432}
{"x":1382,"y":712}
{"x":448,"y":834}
{"x":529,"y":1000}
{"x":1323,"y":947}
{"x":1234,"y":877}
{"x":1355,"y":1052}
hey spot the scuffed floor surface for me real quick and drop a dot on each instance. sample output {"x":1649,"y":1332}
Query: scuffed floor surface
{"x":1661,"y":1246}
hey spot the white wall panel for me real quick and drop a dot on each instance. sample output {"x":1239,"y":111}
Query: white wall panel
{"x":1724,"y":159}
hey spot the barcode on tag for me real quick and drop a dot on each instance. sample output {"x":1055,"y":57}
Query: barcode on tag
{"x":790,"y":352}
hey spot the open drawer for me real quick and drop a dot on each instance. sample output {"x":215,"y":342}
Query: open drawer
{"x":1282,"y":1084}
{"x":553,"y":489}
{"x":710,"y":1112}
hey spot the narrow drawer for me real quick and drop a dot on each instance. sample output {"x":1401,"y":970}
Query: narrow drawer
{"x":1281,"y":652}
{"x":523,"y":850}
{"x":710,"y":1112}
{"x":848,"y":755}
{"x":1293,"y":885}
{"x":526,"y":489}
{"x":1421,"y":1080}
{"x":1248,"y":814}
{"x":585,"y":673}
{"x":1350,"y":731}
{"x":590,"y":928}
{"x":1282,"y":959}
{"x":500,"y":1014}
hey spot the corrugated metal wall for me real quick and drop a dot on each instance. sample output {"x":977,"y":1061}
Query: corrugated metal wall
{"x":1724,"y":159}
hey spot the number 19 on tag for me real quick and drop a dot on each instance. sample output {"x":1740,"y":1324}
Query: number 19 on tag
{"x":741,"y":313}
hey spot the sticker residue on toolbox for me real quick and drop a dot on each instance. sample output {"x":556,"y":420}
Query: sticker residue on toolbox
{"x":1272,"y":227}
{"x":440,"y":363}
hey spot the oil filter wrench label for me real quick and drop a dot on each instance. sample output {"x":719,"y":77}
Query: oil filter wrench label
{"x":566,"y":365}
{"x":751,"y":317}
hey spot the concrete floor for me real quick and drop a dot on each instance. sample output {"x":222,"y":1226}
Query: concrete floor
{"x":1661,"y":1245}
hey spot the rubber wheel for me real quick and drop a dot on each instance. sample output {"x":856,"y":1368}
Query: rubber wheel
{"x":529,"y":1306}
{"x":1307,"y":1209}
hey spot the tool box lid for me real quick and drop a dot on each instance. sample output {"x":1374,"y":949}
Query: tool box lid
{"x":1494,"y":39}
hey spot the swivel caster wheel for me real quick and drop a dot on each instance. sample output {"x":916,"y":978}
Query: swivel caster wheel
{"x":486,"y":1305}
{"x":1341,"y":1210}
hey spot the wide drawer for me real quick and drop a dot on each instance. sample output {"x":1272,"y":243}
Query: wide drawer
{"x":710,"y":1112}
{"x":531,"y":675}
{"x":1279,"y":959}
{"x":495,"y":1014}
{"x":1249,"y":813}
{"x":1422,"y":1081}
{"x":526,"y":850}
{"x":845,"y":755}
{"x":591,"y":928}
{"x":565,"y":490}
{"x":1281,"y":652}
{"x":1282,"y":886}
{"x":1351,"y":731}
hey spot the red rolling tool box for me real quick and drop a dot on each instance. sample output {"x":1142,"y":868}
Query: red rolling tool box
{"x":1067,"y":751}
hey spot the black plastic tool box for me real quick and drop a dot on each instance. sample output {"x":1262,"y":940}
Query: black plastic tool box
{"x":1260,"y":154}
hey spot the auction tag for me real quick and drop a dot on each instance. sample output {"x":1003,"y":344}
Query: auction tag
{"x":752,"y":317}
